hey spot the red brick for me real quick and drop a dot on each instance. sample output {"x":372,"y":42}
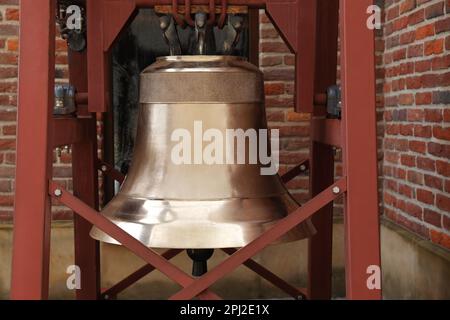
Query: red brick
{"x":406,"y":99}
{"x":271,"y":89}
{"x":443,"y":167}
{"x":413,"y":210}
{"x":405,"y":190}
{"x":439,"y":150}
{"x":416,"y":17}
{"x":422,"y":131}
{"x":434,"y":10}
{"x":418,"y":146}
{"x":442,"y":25}
{"x":399,"y":54}
{"x":433,"y":182}
{"x":407,"y":160}
{"x":268,"y":33}
{"x":415,"y":115}
{"x":289,"y":60}
{"x":9,"y":130}
{"x":406,"y":130}
{"x":12,"y":14}
{"x":432,"y":217}
{"x":415,"y":177}
{"x":297,"y":117}
{"x":415,"y":50}
{"x":440,"y":238}
{"x":443,"y":202}
{"x":274,"y":47}
{"x":425,"y":31}
{"x":269,"y":61}
{"x":425,"y":163}
{"x":443,"y":62}
{"x":441,"y":133}
{"x":406,"y":6}
{"x":433,"y":115}
{"x":6,"y":200}
{"x":434,"y":47}
{"x":423,"y":98}
{"x":425,"y":196}
{"x":446,"y":223}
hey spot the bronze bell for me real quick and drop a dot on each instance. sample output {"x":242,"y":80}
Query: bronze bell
{"x":198,"y":205}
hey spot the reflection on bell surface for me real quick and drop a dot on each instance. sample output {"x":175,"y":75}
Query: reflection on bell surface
{"x":167,"y":203}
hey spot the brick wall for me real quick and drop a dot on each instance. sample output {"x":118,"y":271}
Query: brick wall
{"x":416,"y":140}
{"x":413,"y":106}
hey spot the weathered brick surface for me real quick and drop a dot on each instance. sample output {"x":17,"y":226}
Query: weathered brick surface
{"x":416,"y":141}
{"x":413,"y":98}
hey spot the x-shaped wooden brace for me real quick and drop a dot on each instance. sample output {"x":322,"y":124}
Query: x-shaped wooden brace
{"x":198,"y":287}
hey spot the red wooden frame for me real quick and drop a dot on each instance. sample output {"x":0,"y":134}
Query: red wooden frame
{"x":310,"y":28}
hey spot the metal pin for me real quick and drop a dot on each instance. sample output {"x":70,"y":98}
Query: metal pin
{"x":57,"y":192}
{"x":336,"y":190}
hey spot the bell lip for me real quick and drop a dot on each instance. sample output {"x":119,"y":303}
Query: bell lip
{"x":201,"y":58}
{"x":215,"y":235}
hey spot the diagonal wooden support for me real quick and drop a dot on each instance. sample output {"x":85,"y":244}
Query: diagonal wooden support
{"x":270,"y":276}
{"x":147,"y":254}
{"x":109,"y":170}
{"x":137,"y":275}
{"x":283,"y":226}
{"x":294,"y":172}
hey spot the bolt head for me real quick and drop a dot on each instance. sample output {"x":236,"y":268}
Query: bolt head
{"x":104,"y":168}
{"x":58,"y":192}
{"x":303,"y":167}
{"x":336,"y":190}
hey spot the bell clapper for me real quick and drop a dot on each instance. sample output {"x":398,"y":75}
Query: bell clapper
{"x":200,"y":259}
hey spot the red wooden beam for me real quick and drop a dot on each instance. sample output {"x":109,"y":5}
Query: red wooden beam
{"x":362,"y":240}
{"x":98,"y":83}
{"x":112,"y":292}
{"x":262,"y":241}
{"x":109,"y":170}
{"x":30,"y":269}
{"x":70,"y":130}
{"x":294,"y":292}
{"x":120,"y":235}
{"x":326,"y":131}
{"x":294,"y":172}
{"x":85,"y":186}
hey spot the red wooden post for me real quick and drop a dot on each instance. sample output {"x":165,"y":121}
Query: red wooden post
{"x":85,"y":186}
{"x":30,"y":270}
{"x":362,"y":241}
{"x":322,"y":155}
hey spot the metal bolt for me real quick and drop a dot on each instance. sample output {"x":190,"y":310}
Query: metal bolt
{"x":303,"y":167}
{"x":104,"y":168}
{"x":336,"y":190}
{"x":106,"y":297}
{"x":57,"y":192}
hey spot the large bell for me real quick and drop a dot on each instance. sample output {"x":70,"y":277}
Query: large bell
{"x":165,"y":204}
